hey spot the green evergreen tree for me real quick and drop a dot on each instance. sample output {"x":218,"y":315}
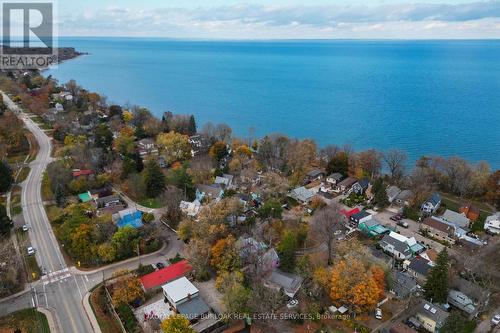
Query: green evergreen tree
{"x":339,"y":163}
{"x":456,"y":323}
{"x":6,"y":178}
{"x":192,"y":126}
{"x":154,"y":179}
{"x":286,"y":250}
{"x":380,"y":193}
{"x":5,"y":221}
{"x":60,"y":195}
{"x":436,"y":287}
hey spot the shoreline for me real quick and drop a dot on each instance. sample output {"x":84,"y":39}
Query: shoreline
{"x":241,"y":130}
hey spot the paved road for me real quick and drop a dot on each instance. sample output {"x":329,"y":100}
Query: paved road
{"x":62,"y":289}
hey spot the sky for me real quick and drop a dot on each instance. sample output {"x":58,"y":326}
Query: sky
{"x":281,"y":19}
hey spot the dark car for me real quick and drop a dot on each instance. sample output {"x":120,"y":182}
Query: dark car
{"x":160,"y":265}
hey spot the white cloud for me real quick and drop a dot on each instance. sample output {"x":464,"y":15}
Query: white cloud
{"x":470,"y":20}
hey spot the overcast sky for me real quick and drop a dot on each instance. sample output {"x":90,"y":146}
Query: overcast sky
{"x":281,"y":19}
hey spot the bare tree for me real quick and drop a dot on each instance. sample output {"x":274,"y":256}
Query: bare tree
{"x":324,"y":225}
{"x":459,"y":175}
{"x":369,"y":161}
{"x":172,"y":198}
{"x":395,"y":160}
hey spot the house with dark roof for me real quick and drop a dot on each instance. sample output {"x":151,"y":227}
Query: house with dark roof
{"x":361,"y":216}
{"x":345,"y":185}
{"x":403,"y":285}
{"x":418,"y":267}
{"x":395,"y":246}
{"x":431,"y":205}
{"x":314,"y":174}
{"x":439,"y":229}
{"x":289,"y":283}
{"x":361,"y":186}
{"x":431,"y":316}
{"x":334,"y":178}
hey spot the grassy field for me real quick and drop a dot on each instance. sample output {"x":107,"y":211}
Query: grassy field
{"x":46,"y":191}
{"x":23,"y":174}
{"x":107,"y":321}
{"x":15,"y":201}
{"x":32,"y":269}
{"x":150,"y":203}
{"x":27,"y":321}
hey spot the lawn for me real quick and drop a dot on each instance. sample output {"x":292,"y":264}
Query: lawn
{"x":150,"y":203}
{"x":27,"y":320}
{"x":107,"y":321}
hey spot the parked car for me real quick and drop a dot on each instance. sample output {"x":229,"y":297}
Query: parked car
{"x":402,"y":224}
{"x":160,"y":265}
{"x":293,"y":303}
{"x":378,"y":313}
{"x":25,"y":227}
{"x":30,"y":250}
{"x":496,"y":319}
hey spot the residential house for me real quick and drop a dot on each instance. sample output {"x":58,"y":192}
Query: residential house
{"x":418,"y":267}
{"x":470,"y":211}
{"x":200,"y":144}
{"x":361,"y":186}
{"x":110,"y":204}
{"x":439,"y":229}
{"x":314,"y":175}
{"x":431,"y":205}
{"x":456,"y":218}
{"x":289,"y":283}
{"x":478,"y":295}
{"x":147,"y":148}
{"x":210,"y":192}
{"x":345,"y":185}
{"x":430,"y":255}
{"x":302,"y":194}
{"x":162,"y":276}
{"x":403,"y":198}
{"x":372,"y":227}
{"x":349,"y":213}
{"x":191,"y":209}
{"x":226,"y":181}
{"x":461,"y":301}
{"x":431,"y":316}
{"x":362,"y":216}
{"x":403,"y":285}
{"x":128,"y":217}
{"x":392,"y":193}
{"x":396,"y":245}
{"x":492,"y":224}
{"x":185,"y":298}
{"x":334,"y":178}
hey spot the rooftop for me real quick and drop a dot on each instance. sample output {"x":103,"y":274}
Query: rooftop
{"x":179,"y":289}
{"x":433,"y":312}
{"x":457,"y":218}
{"x":164,"y":275}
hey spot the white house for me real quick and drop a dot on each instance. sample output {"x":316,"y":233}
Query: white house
{"x":191,"y":209}
{"x":396,"y":245}
{"x":432,"y":204}
{"x":334,"y":178}
{"x":179,"y":291}
{"x":492,"y":223}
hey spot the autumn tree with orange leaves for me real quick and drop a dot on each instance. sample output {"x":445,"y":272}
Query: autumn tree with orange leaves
{"x":355,"y":285}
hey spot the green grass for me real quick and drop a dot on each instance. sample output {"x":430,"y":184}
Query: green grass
{"x":16,"y":210}
{"x":27,"y":320}
{"x":53,"y":212}
{"x":34,"y":271}
{"x":150,"y":203}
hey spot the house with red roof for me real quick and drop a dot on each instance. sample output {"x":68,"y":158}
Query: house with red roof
{"x":162,"y":276}
{"x":350,"y":213}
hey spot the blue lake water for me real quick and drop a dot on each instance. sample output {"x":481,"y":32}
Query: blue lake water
{"x":425,"y":97}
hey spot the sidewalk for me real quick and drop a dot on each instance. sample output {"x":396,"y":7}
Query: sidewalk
{"x":50,"y":319}
{"x":90,"y":313}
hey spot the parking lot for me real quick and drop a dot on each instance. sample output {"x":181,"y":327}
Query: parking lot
{"x":412,"y":231}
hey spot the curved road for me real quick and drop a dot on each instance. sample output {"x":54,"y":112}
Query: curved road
{"x":62,"y":289}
